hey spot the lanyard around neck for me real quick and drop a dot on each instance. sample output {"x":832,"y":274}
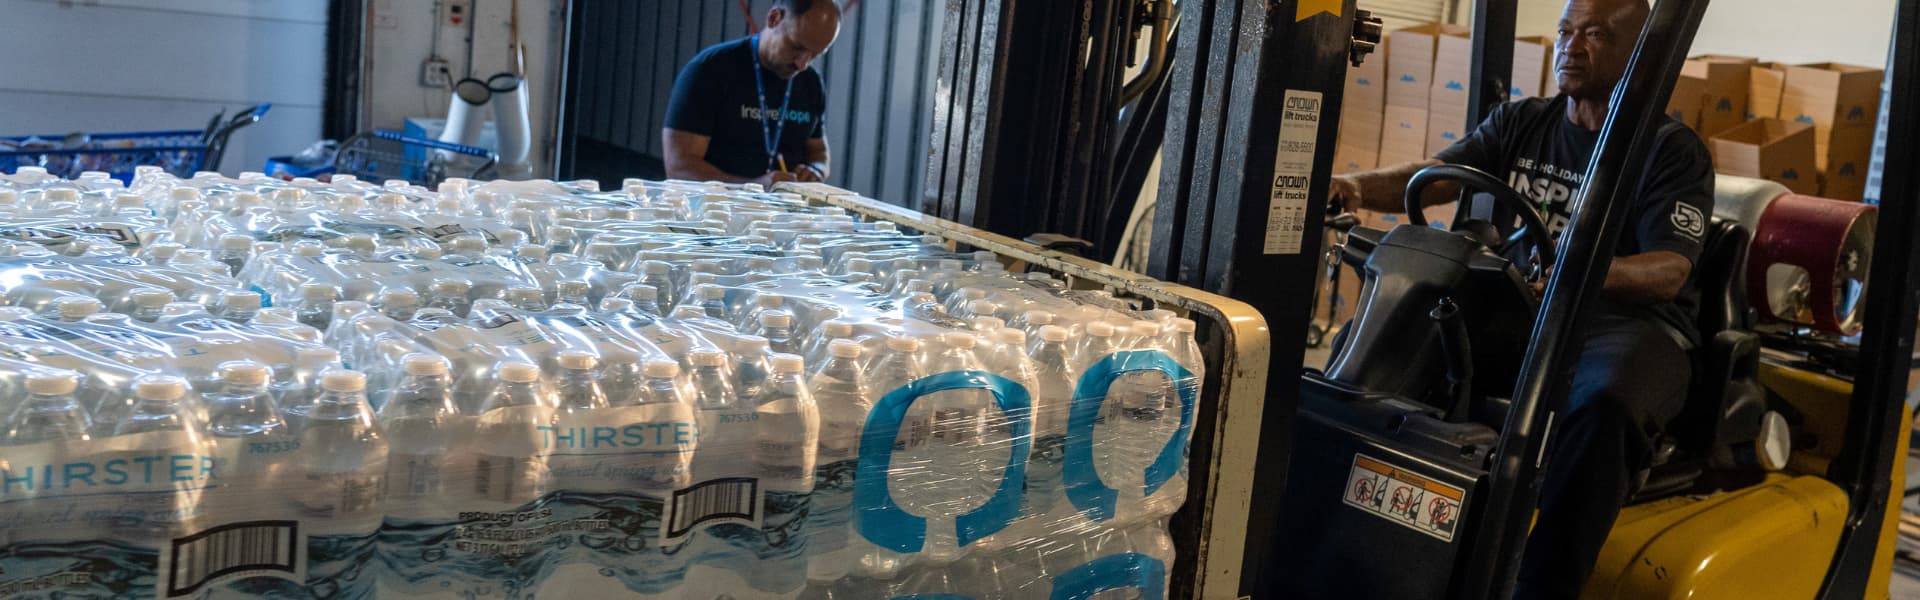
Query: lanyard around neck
{"x":770,"y":134}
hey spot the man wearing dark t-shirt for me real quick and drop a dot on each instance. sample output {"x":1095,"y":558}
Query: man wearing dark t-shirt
{"x":1633,"y":370}
{"x":750,"y":109}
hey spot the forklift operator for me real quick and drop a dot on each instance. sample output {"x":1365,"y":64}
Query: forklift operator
{"x":1633,"y":370}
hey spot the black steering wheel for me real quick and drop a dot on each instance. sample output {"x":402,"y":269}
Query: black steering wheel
{"x":1532,"y":229}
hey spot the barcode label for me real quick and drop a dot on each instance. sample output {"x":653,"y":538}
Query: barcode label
{"x":732,"y":498}
{"x":251,"y":546}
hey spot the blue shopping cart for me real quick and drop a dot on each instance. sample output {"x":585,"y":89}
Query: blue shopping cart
{"x":381,"y":155}
{"x":180,"y":152}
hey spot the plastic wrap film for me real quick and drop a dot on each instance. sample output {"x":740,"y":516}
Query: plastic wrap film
{"x":219,"y":387}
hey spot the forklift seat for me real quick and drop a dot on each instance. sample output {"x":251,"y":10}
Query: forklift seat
{"x":1727,"y":406}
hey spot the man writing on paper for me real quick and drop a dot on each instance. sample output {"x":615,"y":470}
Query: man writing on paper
{"x":751,"y":109}
{"x":1633,"y":369}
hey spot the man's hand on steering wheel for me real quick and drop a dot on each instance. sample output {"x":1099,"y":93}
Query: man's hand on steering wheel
{"x":1343,"y":193}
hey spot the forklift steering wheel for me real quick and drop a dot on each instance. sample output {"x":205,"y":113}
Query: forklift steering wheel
{"x":1531,"y":227}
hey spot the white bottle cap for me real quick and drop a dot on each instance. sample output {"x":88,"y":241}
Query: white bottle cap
{"x":713,"y":292}
{"x":1100,"y":329}
{"x":316,"y":356}
{"x":424,"y":364}
{"x":531,"y":252}
{"x":183,"y":193}
{"x":1183,"y":325}
{"x":922,"y":298}
{"x":844,"y":349}
{"x":343,"y":380}
{"x":151,"y":298}
{"x":612,"y":304}
{"x":347,"y":309}
{"x":519,"y":294}
{"x":641,"y":291}
{"x":578,"y":360}
{"x":164,"y":250}
{"x":707,"y":358}
{"x":49,"y":382}
{"x":776,"y":318}
{"x":560,"y":232}
{"x":988,"y":323}
{"x":838,"y":329}
{"x":13,"y":313}
{"x":160,"y":387}
{"x":343,"y":179}
{"x":573,"y":288}
{"x":661,"y":369}
{"x":240,"y":299}
{"x":1159,"y":315}
{"x":309,"y":250}
{"x":62,"y":195}
{"x":129,"y":201}
{"x":972,"y":294}
{"x":236,"y":242}
{"x":769,"y":301}
{"x":449,"y":287}
{"x":469,"y":244}
{"x":963,"y":341}
{"x":318,"y":292}
{"x":1009,"y":335}
{"x":244,"y":372}
{"x":903,"y":344}
{"x":751,"y":343}
{"x":983,"y":307}
{"x":1053,"y":333}
{"x":399,"y":297}
{"x":1145,"y":329}
{"x":655,"y":267}
{"x":519,"y":372}
{"x":949,"y":264}
{"x":788,"y":363}
{"x":77,"y":308}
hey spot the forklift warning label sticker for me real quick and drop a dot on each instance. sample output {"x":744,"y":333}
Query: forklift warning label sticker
{"x":1292,"y":172}
{"x":1401,"y":496}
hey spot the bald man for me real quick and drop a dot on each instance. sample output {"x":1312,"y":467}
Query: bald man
{"x":1634,"y":365}
{"x":751,"y":109}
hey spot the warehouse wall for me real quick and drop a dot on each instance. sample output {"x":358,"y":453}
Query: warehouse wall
{"x":400,"y":37}
{"x":879,"y":78}
{"x":1789,"y":31}
{"x":130,"y":65}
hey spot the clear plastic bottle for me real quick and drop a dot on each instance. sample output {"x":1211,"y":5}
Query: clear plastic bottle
{"x":575,"y":387}
{"x":148,"y":303}
{"x":316,"y":304}
{"x":1031,"y":321}
{"x":659,"y":274}
{"x":162,"y":422}
{"x":786,"y":437}
{"x":761,"y":304}
{"x":950,"y":471}
{"x":423,"y":425}
{"x":49,"y":412}
{"x":572,"y":292}
{"x":841,"y":392}
{"x":957,"y":304}
{"x":712,"y":389}
{"x":1054,"y":378}
{"x":1096,"y":343}
{"x":239,"y":306}
{"x":342,"y":457}
{"x":979,"y":308}
{"x":750,"y":368}
{"x":450,"y":295}
{"x":526,"y":298}
{"x":399,"y":304}
{"x":510,"y":467}
{"x":899,"y":365}
{"x":830,"y":331}
{"x":646,"y":298}
{"x":713,"y":299}
{"x":75,"y":309}
{"x":235,"y":250}
{"x":777,"y":327}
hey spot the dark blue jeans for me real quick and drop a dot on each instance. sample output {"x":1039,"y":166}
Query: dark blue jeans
{"x":1630,"y":380}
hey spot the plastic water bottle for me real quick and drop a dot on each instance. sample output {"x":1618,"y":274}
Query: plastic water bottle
{"x":510,"y":468}
{"x":761,"y":304}
{"x":786,"y":442}
{"x":1031,"y":321}
{"x":572,"y":292}
{"x":659,"y":274}
{"x":1096,"y":343}
{"x":712,"y":388}
{"x":899,"y":365}
{"x":399,"y":304}
{"x":671,"y":450}
{"x":246,"y":422}
{"x":777,"y":327}
{"x":713,"y":299}
{"x":450,"y":295}
{"x":50,"y":412}
{"x":844,"y":399}
{"x":295,"y":392}
{"x":958,"y":472}
{"x":75,"y":309}
{"x":646,"y":298}
{"x":830,"y":331}
{"x":422,"y":425}
{"x":316,"y":304}
{"x":343,"y":457}
{"x":148,"y":303}
{"x":161,"y":422}
{"x":235,"y":250}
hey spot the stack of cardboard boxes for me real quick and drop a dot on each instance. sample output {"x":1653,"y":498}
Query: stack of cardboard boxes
{"x":1808,"y":127}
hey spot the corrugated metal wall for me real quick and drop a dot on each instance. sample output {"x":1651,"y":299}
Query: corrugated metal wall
{"x":879,"y":76}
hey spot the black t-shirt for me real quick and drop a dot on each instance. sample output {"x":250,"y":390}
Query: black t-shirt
{"x":715,"y":96}
{"x":1532,"y":145}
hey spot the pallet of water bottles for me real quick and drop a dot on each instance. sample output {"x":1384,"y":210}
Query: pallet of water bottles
{"x":220,"y":387}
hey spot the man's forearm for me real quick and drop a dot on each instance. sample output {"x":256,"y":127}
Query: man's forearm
{"x":1385,"y":189}
{"x":1649,"y":278}
{"x":694,"y":169}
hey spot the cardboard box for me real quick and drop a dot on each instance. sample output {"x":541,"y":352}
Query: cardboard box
{"x":1365,"y":98}
{"x":1352,"y":159}
{"x":1772,"y":149}
{"x":1765,"y":82}
{"x":1727,"y":83}
{"x":1410,"y":63}
{"x":1532,"y":67}
{"x":1689,"y":93}
{"x":1403,"y":135}
{"x":1831,"y":96}
{"x":1447,"y":101}
{"x":1845,"y":175}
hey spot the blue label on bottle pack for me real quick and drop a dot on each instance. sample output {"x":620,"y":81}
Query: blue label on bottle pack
{"x":1120,"y":571}
{"x":1084,"y":487}
{"x":884,"y":522}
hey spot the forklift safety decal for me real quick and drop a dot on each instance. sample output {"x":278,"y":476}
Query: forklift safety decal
{"x":1404,"y":497}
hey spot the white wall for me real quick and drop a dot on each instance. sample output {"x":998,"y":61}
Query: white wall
{"x":401,"y":37}
{"x":1787,"y":31}
{"x":131,"y":65}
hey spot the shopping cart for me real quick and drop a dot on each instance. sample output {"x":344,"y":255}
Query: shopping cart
{"x":381,"y":155}
{"x":180,"y":152}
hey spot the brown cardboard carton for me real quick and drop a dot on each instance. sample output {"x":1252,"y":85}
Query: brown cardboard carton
{"x":1360,"y":111}
{"x":1353,"y":159}
{"x":1532,"y":67}
{"x":1410,"y":63}
{"x":1447,"y":101}
{"x":1728,"y":81}
{"x":1845,"y":175}
{"x":1403,"y":135}
{"x":1689,"y":93}
{"x":1765,"y":82}
{"x":1769,"y":149}
{"x":1830,"y":96}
